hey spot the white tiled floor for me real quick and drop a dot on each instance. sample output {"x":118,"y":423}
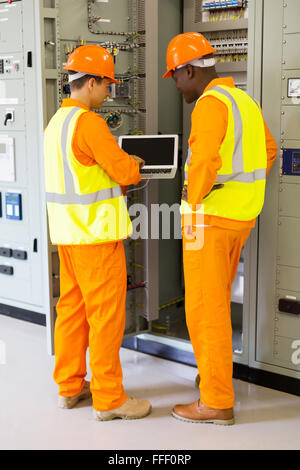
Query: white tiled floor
{"x":30,"y":419}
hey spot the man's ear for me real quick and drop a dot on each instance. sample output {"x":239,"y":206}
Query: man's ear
{"x":190,"y":71}
{"x":91,"y":83}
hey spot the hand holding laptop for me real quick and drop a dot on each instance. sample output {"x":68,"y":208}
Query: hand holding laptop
{"x":140,"y":161}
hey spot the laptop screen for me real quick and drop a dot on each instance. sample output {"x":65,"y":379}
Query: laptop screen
{"x":156,"y":151}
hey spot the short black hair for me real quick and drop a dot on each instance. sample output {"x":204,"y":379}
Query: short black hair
{"x":79,"y":83}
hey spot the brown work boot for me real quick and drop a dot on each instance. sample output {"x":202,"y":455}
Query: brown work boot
{"x":197,"y":412}
{"x":131,"y":409}
{"x":70,"y":402}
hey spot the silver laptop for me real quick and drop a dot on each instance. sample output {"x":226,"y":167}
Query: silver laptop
{"x":160,"y":153}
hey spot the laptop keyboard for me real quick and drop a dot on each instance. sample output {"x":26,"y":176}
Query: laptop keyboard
{"x":155,"y":170}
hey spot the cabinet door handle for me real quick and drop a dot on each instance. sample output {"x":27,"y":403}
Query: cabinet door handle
{"x":29,"y":59}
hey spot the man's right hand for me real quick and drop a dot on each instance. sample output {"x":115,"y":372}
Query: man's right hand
{"x":184,"y":195}
{"x":140,"y":161}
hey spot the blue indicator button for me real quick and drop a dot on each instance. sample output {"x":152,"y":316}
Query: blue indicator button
{"x":13,"y":206}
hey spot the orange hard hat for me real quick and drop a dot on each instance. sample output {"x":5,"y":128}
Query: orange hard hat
{"x":92,"y":60}
{"x":185,"y":48}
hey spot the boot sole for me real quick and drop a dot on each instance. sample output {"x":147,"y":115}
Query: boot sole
{"x":220,"y":422}
{"x":111,"y":417}
{"x":77,"y":400}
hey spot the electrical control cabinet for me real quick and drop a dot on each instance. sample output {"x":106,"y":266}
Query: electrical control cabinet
{"x":278,"y":325}
{"x":265,"y":294}
{"x":23,"y":229}
{"x":225,"y":25}
{"x":36,"y":40}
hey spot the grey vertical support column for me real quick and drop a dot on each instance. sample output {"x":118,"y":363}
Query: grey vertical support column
{"x":268,"y":226}
{"x":254,"y":85}
{"x":152,"y":247}
{"x":151,"y":18}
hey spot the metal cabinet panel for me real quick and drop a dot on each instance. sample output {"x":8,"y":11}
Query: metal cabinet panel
{"x":289,"y":197}
{"x":21,"y":171}
{"x":287,"y":324}
{"x":291,"y":121}
{"x":288,"y":242}
{"x":18,"y":123}
{"x":16,"y":289}
{"x":11,"y":39}
{"x":285,"y":352}
{"x":288,"y":278}
{"x":12,"y":92}
{"x":290,"y":51}
{"x":291,"y":16}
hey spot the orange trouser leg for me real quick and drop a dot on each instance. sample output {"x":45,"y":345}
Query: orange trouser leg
{"x":71,"y":331}
{"x":100,"y":271}
{"x":209,"y":273}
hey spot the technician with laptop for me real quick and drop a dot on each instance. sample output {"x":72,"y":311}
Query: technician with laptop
{"x":88,"y":219}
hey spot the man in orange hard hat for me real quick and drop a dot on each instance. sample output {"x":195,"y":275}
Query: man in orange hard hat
{"x":231,"y":152}
{"x":85,"y":171}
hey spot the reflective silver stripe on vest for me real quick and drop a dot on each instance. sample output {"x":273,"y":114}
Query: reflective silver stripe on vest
{"x":238,"y":175}
{"x":238,"y":157}
{"x":85,"y":199}
{"x":251,"y":177}
{"x":70,"y":196}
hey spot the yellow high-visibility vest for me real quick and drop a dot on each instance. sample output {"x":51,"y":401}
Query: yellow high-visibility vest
{"x":244,"y":160}
{"x":85,"y":206}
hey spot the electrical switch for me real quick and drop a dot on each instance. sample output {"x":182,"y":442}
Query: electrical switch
{"x":19,"y":254}
{"x":13,"y":204}
{"x":7,"y":252}
{"x":9,"y":270}
{"x":8,"y":118}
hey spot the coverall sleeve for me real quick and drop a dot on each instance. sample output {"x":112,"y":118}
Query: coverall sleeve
{"x":93,"y":139}
{"x":209,"y":126}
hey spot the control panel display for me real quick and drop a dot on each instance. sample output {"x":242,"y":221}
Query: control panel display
{"x":296,"y":163}
{"x":294,"y":88}
{"x":290,"y":164}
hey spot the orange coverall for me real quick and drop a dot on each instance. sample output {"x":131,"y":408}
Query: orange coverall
{"x":209,"y":272}
{"x":93,"y":280}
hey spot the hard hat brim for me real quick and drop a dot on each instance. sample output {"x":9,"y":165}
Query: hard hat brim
{"x":114,"y":80}
{"x":167,"y":74}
